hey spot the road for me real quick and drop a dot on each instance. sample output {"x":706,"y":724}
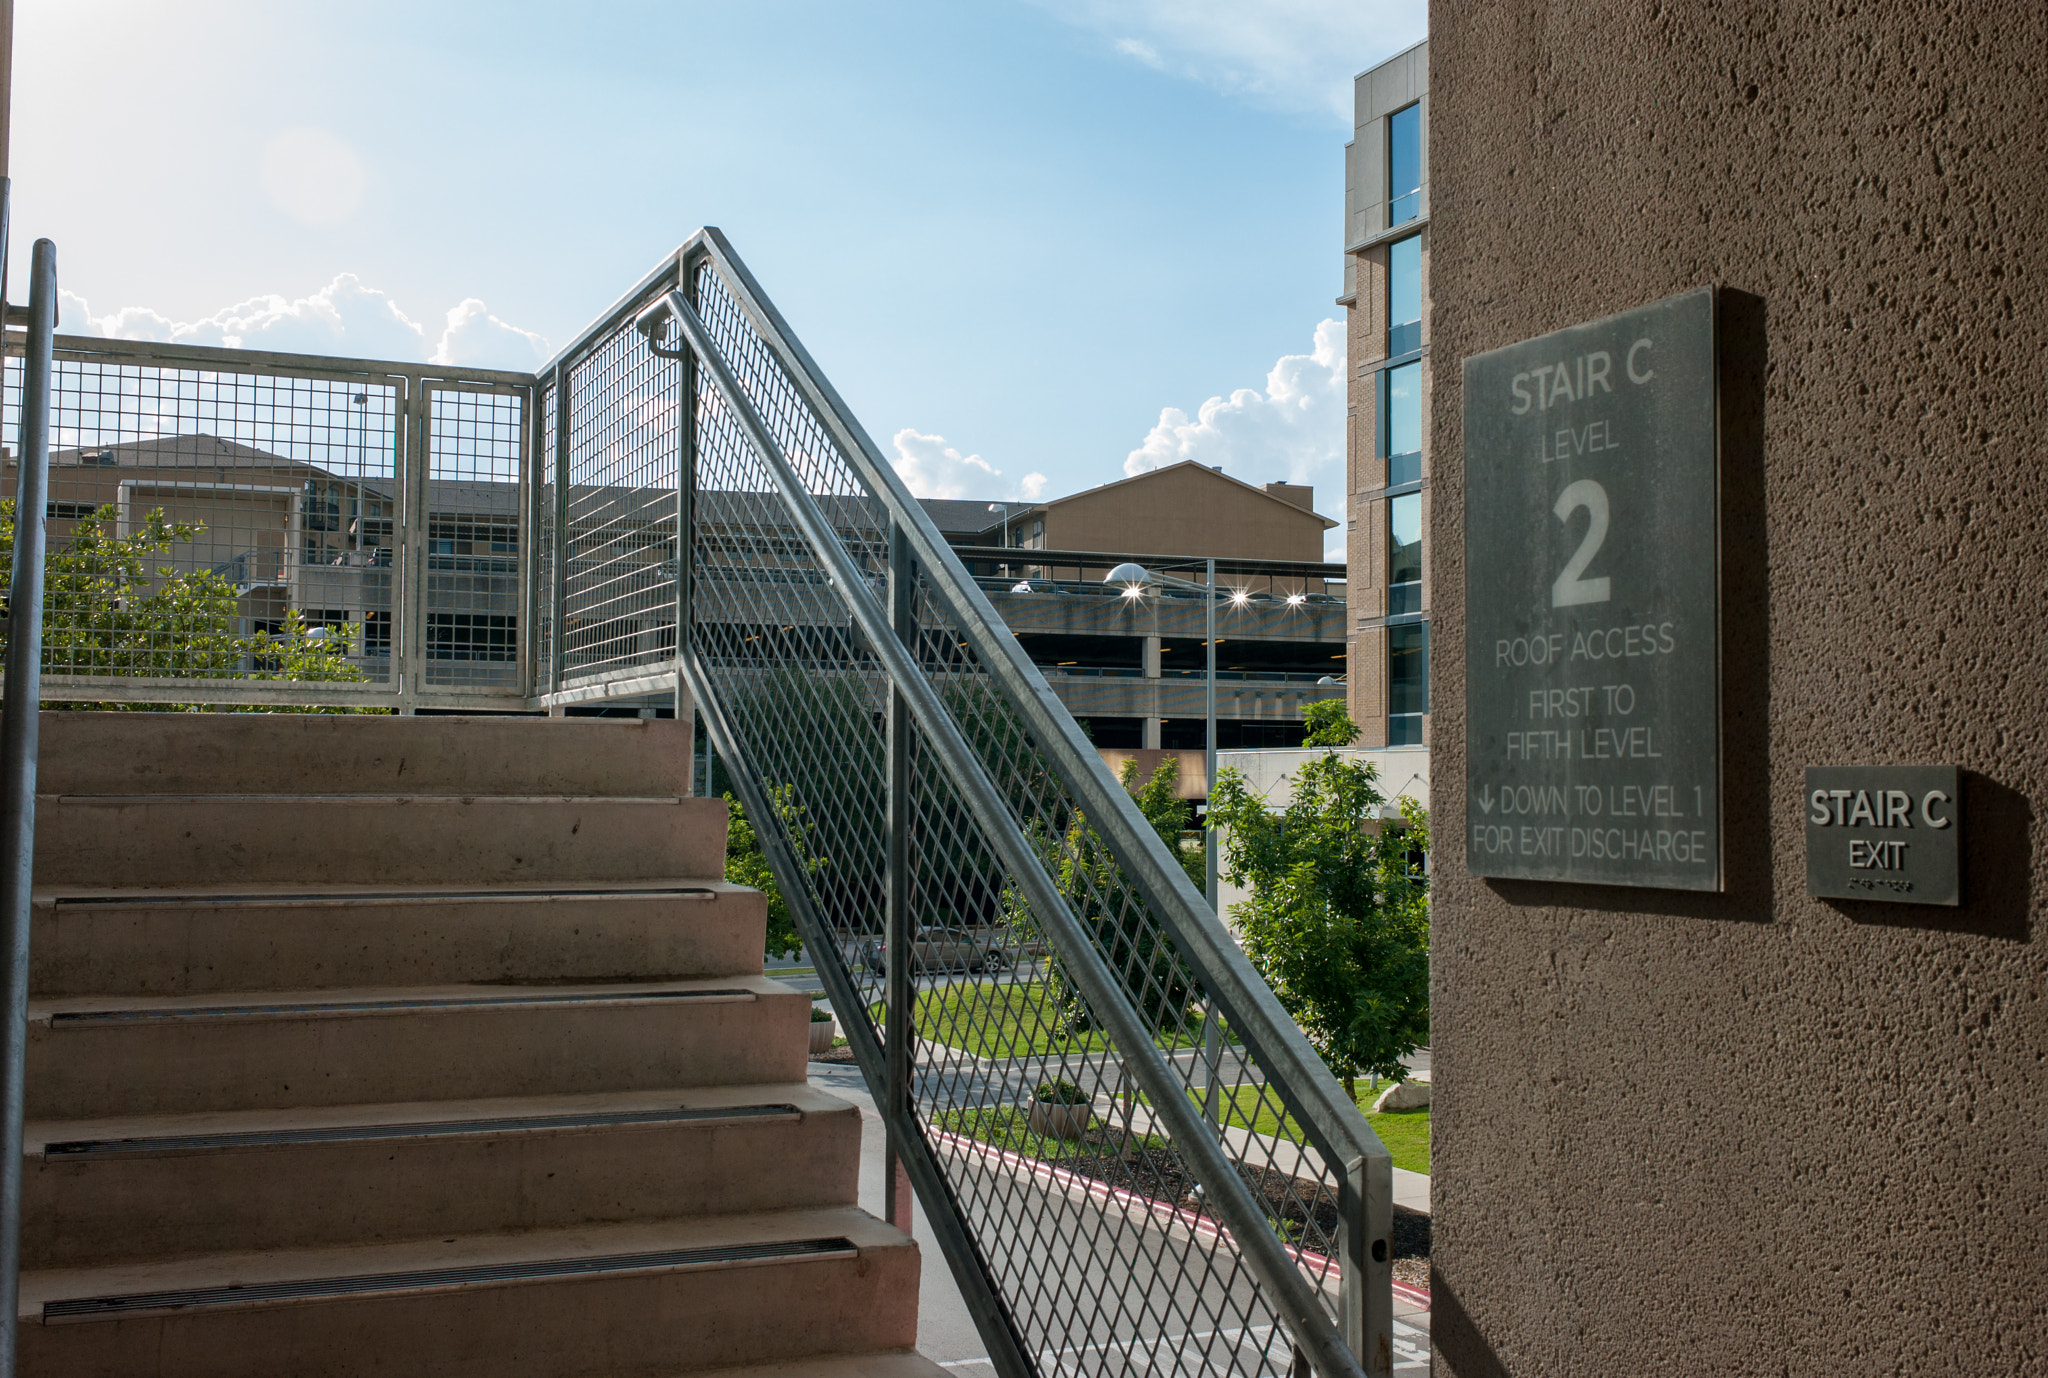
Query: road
{"x":1069,"y":1260}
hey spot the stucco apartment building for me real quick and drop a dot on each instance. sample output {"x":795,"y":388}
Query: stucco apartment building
{"x":1386,"y":295}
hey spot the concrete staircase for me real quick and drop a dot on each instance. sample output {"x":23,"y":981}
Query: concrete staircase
{"x":422,"y":1046}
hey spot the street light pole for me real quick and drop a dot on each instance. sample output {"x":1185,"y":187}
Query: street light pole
{"x":1209,"y":739}
{"x":1212,"y":1034}
{"x":1134,"y":578}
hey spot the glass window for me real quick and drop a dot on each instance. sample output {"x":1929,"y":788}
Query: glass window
{"x":1401,"y":422}
{"x":1407,"y":682}
{"x":1404,"y":165}
{"x":1404,"y":539}
{"x":1404,"y":296}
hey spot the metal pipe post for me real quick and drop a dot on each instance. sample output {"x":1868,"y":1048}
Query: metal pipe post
{"x":896,"y":937}
{"x":19,"y":722}
{"x":1212,"y":1034}
{"x":1209,"y":743}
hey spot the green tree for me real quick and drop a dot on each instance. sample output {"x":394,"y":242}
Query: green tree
{"x":1170,"y":815}
{"x":1329,"y":725}
{"x":1338,"y":919}
{"x":110,"y":609}
{"x":747,"y":864}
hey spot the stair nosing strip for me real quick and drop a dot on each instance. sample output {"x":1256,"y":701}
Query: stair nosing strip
{"x":123,"y":1306}
{"x":80,"y":1150}
{"x":340,"y":1008}
{"x":386,"y":897}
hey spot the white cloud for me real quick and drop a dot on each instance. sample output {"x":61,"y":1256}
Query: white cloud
{"x":477,"y":338}
{"x":1296,"y":55}
{"x":1293,"y":429}
{"x":345,"y":318}
{"x":934,"y":469}
{"x":312,"y":176}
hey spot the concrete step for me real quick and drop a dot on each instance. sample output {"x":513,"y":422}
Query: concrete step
{"x":146,"y":1187}
{"x":168,"y":840}
{"x":324,"y":753}
{"x":894,"y":1364}
{"x":92,"y":1058}
{"x":241,"y":937}
{"x":628,"y":1301}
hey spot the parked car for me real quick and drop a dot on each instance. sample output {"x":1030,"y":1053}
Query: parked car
{"x":947,"y":949}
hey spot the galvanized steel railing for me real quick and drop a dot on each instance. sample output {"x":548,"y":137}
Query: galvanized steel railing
{"x":908,"y":768}
{"x":682,"y":494}
{"x":231,"y":526}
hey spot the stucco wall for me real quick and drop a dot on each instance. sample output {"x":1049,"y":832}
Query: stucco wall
{"x":1753,"y":1132}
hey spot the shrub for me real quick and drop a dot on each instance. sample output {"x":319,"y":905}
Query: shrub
{"x":1060,"y":1091}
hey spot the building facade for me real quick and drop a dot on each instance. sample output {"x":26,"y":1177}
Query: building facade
{"x":1386,"y":298}
{"x":1133,"y":669}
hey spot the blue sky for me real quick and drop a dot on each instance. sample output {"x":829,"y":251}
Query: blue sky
{"x":1037,"y":243}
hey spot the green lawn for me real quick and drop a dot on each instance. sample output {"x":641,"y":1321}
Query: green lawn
{"x":999,"y":1019}
{"x":1404,"y":1132}
{"x":1011,"y":1129}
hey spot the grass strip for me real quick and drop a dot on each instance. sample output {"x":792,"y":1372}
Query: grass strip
{"x":1006,"y":1019}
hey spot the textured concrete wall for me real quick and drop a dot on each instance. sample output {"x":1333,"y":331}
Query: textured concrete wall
{"x":1753,"y":1132}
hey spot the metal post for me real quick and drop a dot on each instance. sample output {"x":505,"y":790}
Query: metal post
{"x":686,"y":494}
{"x":558,"y":593}
{"x":897,"y":1014}
{"x":1209,"y":740}
{"x":19,"y":723}
{"x":1212,"y":1034}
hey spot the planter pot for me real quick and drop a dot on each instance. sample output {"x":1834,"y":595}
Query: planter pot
{"x":822,"y":1033}
{"x":1060,"y":1121}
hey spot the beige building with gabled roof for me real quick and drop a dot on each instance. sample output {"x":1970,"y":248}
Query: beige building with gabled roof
{"x":1183,"y":507}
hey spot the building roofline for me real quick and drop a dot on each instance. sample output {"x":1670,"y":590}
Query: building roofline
{"x":1422,"y":42}
{"x":1327,"y":522}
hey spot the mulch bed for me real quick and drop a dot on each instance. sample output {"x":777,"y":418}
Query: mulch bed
{"x":843,"y":1056}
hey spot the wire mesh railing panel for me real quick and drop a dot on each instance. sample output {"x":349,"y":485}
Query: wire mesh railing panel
{"x":217,"y":525}
{"x":474,"y":556}
{"x":618,"y":588}
{"x":1085,"y":1208}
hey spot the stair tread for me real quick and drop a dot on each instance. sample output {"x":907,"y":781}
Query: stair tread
{"x":319,"y":892}
{"x":284,"y":1004}
{"x":892,"y":1363}
{"x":381,"y":798}
{"x":42,"y":1286}
{"x":807,"y":1099}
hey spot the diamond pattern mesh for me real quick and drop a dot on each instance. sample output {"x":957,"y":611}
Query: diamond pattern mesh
{"x":1099,"y":1245}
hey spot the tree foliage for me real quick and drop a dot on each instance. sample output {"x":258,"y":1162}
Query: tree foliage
{"x":110,"y":609}
{"x":747,"y":864}
{"x":1329,"y":725}
{"x":1131,"y":940}
{"x":1338,"y":919}
{"x":1170,"y":815}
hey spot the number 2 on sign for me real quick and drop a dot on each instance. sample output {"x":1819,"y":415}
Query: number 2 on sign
{"x":1571,"y":589}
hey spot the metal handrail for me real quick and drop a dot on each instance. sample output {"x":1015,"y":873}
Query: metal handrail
{"x":1310,"y":1094}
{"x":20,"y":721}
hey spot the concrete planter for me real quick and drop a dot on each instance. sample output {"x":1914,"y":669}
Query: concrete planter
{"x":1060,"y":1121}
{"x":822,"y":1033}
